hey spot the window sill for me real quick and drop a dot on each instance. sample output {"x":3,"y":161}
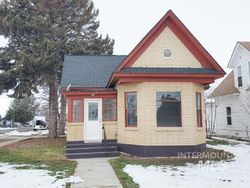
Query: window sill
{"x":169,"y":129}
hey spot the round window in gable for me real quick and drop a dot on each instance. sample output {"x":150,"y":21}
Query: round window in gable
{"x":167,"y":53}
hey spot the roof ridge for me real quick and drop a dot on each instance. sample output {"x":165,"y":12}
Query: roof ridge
{"x":93,"y":55}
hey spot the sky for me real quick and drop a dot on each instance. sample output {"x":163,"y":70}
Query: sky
{"x":217,"y":24}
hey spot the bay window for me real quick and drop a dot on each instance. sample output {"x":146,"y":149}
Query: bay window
{"x":198,"y":110}
{"x":168,"y":110}
{"x":131,"y":109}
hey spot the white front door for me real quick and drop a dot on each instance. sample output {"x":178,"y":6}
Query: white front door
{"x":92,"y":120}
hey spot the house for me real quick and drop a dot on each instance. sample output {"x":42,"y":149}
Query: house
{"x":233,"y":96}
{"x":150,"y":102}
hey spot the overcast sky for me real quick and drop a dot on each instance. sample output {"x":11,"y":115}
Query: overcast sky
{"x":217,"y":24}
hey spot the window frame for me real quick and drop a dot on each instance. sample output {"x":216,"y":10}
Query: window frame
{"x":72,"y":110}
{"x":180,"y":105}
{"x":103,"y":108}
{"x":198,"y":112}
{"x":125,"y":107}
{"x":239,"y":76}
{"x":249,"y":69}
{"x":229,"y":115}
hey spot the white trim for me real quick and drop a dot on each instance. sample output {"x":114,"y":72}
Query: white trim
{"x":98,"y":123}
{"x":169,"y":56}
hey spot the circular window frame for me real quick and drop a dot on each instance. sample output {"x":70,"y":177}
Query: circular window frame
{"x":163,"y":53}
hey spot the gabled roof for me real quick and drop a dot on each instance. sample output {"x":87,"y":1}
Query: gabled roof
{"x":171,"y":20}
{"x":239,"y":45}
{"x":226,"y":87}
{"x":89,"y":71}
{"x":245,"y":44}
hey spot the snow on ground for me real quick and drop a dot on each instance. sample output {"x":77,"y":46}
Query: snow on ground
{"x":33,"y":178}
{"x":28,"y":133}
{"x":215,"y":174}
{"x":6,"y":128}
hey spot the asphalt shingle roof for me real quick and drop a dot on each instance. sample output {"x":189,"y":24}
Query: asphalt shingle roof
{"x":89,"y":71}
{"x":171,"y":70}
{"x":245,"y":44}
{"x":226,"y":87}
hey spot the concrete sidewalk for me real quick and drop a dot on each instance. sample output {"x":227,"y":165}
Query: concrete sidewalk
{"x":96,"y":173}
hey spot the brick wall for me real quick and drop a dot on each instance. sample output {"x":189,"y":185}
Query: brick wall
{"x":147,"y":132}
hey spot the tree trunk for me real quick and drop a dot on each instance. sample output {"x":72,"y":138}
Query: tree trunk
{"x":53,"y":109}
{"x":62,"y":120}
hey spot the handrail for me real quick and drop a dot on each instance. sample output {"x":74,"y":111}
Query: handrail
{"x":105,"y":139}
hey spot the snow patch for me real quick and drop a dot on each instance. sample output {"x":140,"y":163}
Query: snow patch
{"x":215,"y":174}
{"x":6,"y":128}
{"x":31,"y":178}
{"x":28,"y":133}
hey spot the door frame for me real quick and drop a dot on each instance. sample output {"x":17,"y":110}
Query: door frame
{"x":86,"y":100}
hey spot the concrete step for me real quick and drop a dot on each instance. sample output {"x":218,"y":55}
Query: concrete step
{"x":91,"y":149}
{"x":86,"y":145}
{"x":92,"y":155}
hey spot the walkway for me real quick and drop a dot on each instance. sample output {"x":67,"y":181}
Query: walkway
{"x":96,"y":173}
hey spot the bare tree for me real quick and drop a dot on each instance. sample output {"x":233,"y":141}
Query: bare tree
{"x":245,"y":109}
{"x":211,"y":112}
{"x":43,"y":99}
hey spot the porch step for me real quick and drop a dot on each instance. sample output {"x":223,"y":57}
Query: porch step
{"x":76,"y":150}
{"x":93,"y":155}
{"x":91,"y":149}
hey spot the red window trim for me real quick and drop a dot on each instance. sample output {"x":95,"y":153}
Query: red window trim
{"x":125,"y":104}
{"x":70,"y":107}
{"x":180,"y":104}
{"x":70,"y":114}
{"x":109,"y":97}
{"x":198,"y":112}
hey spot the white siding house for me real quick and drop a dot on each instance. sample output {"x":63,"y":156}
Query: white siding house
{"x":233,"y":94}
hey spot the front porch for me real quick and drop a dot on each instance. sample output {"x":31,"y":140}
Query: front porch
{"x":80,"y":149}
{"x":92,"y":115}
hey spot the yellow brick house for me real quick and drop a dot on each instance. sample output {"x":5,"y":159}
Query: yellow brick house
{"x":148,"y":103}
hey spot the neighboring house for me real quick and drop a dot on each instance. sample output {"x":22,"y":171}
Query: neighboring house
{"x":150,"y":102}
{"x":233,"y":95}
{"x":6,"y":123}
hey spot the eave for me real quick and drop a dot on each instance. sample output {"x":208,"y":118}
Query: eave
{"x":81,"y":91}
{"x":119,"y":78}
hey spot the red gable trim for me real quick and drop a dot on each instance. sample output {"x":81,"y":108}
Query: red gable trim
{"x":171,"y":20}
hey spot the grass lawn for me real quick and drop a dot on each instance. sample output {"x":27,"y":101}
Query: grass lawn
{"x":217,"y":142}
{"x":127,"y":182}
{"x":43,"y":153}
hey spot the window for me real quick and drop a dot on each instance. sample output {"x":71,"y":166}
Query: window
{"x":131,"y":109}
{"x":167,"y":53}
{"x":77,"y":110}
{"x":229,"y":116}
{"x":198,"y":110}
{"x":168,"y":110}
{"x":92,"y":111}
{"x":249,"y":69}
{"x":239,"y":76}
{"x":109,"y":109}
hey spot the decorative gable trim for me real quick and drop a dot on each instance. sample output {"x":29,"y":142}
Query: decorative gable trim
{"x":178,"y":28}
